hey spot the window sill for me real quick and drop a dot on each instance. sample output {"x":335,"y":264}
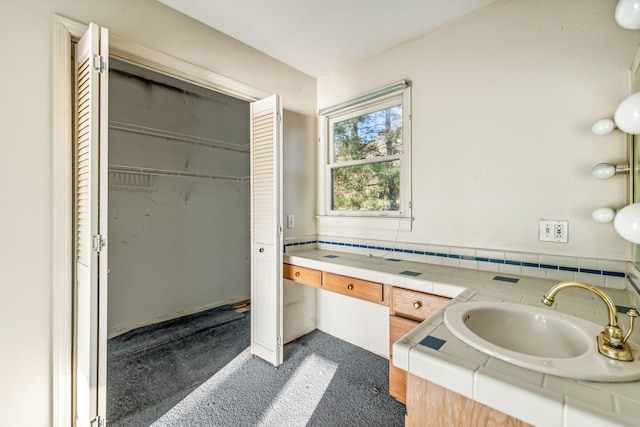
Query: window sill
{"x":352,"y":225}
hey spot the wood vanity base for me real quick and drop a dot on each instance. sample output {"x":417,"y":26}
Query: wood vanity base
{"x":429,"y":404}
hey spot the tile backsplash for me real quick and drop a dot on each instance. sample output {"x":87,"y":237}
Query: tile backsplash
{"x":604,"y":273}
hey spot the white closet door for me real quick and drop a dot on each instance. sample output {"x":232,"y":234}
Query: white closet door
{"x":91,"y":174}
{"x":266,"y":229}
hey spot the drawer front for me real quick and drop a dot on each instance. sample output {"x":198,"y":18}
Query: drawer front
{"x":415,"y":305}
{"x":306,"y":276}
{"x":362,"y":289}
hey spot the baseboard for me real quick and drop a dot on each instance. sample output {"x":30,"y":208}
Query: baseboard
{"x":129,"y":327}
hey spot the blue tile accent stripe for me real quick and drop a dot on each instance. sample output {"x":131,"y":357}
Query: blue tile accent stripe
{"x":470,"y":258}
{"x":622,"y":308}
{"x":432,"y":342}
{"x":289,"y":245}
{"x":613,"y":273}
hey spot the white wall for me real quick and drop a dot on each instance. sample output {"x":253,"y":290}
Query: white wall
{"x":183,"y":247}
{"x":26,"y":163}
{"x":503,"y":103}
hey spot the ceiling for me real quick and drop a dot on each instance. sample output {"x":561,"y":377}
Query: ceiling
{"x":318,"y":37}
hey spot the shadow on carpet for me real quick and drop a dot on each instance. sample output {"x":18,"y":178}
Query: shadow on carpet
{"x":324,"y":381}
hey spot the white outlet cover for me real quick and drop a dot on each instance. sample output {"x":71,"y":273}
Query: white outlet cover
{"x":554,"y":231}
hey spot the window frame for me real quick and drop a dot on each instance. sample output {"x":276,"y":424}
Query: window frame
{"x":396,"y":94}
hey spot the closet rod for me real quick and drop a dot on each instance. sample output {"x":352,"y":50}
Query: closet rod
{"x":174,"y":173}
{"x":145,"y":130}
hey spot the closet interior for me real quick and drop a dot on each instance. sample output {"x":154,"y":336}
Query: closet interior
{"x":178,"y":198}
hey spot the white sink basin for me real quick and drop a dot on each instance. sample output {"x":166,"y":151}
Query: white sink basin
{"x":538,"y":338}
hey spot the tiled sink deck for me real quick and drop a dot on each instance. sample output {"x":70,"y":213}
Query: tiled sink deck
{"x":533,"y":397}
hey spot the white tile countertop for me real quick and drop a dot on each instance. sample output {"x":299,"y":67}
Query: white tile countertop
{"x":536,"y":398}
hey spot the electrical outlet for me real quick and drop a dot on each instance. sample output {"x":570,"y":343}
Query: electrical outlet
{"x":554,"y":231}
{"x":291,"y":221}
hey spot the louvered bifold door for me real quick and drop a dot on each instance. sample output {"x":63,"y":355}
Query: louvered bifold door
{"x":266,"y":229}
{"x":91,"y":172}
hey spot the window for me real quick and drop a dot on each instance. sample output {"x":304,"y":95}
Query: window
{"x":367,"y":140}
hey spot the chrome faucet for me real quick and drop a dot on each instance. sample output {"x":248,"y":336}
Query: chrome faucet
{"x":611,"y":342}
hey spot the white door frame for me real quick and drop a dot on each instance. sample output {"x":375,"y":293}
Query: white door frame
{"x":65,"y":31}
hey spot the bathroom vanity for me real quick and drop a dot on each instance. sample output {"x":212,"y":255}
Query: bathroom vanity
{"x":440,"y":377}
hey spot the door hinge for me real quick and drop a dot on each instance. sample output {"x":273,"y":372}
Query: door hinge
{"x":98,"y":242}
{"x":279,"y":118}
{"x":97,"y":422}
{"x":279,"y":340}
{"x":99,"y":64}
{"x":279,"y":229}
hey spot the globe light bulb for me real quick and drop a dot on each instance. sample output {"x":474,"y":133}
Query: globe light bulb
{"x":627,"y":223}
{"x":627,"y":115}
{"x":603,"y":171}
{"x":603,"y":215}
{"x":603,"y":126}
{"x":628,"y":14}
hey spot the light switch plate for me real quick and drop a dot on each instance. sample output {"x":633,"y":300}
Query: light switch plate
{"x":554,"y":231}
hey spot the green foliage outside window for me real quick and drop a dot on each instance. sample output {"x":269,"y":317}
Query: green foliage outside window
{"x":372,"y":186}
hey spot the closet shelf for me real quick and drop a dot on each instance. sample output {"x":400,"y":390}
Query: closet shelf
{"x":174,"y":173}
{"x":175,"y":136}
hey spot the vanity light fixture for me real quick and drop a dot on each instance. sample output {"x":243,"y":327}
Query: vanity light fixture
{"x":626,"y":221}
{"x":628,"y":14}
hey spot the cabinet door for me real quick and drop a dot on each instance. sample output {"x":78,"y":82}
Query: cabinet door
{"x":398,"y":327}
{"x":431,"y":404}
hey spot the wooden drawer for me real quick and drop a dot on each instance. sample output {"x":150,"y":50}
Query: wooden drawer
{"x":415,"y":305}
{"x":362,"y":289}
{"x":306,"y":276}
{"x":398,"y":327}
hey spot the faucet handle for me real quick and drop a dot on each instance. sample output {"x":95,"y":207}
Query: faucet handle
{"x":632,"y":313}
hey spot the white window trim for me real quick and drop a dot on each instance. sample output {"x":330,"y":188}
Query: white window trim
{"x":401,"y":219}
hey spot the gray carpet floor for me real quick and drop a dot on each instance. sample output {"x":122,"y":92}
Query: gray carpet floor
{"x":198,"y":371}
